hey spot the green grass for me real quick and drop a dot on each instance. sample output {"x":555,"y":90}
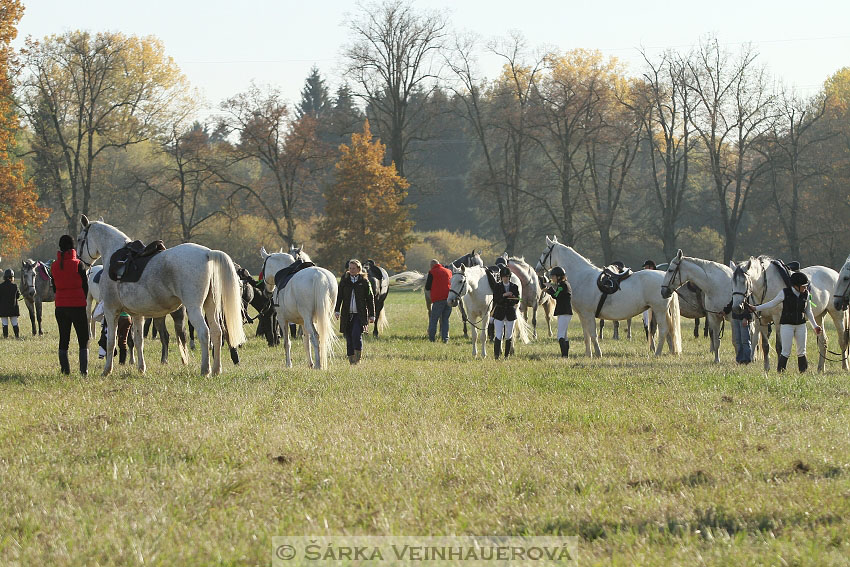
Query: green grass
{"x":649,"y":460}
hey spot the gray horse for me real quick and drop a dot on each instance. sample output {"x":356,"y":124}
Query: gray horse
{"x":36,"y":289}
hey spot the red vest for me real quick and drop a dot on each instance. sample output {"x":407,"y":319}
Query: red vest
{"x":441,"y":280}
{"x":69,"y":285}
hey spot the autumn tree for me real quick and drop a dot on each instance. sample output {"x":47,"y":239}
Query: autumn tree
{"x":19,"y":211}
{"x":364,"y":215}
{"x":85,"y":94}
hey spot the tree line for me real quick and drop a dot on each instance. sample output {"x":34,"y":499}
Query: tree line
{"x":700,"y":149}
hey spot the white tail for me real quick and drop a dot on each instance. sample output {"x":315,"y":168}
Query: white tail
{"x":523,"y":329}
{"x":408,"y":280}
{"x":324,"y":297}
{"x":383,"y":321}
{"x":226,"y":287}
{"x":674,"y":323}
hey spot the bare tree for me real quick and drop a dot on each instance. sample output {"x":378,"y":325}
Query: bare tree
{"x":732,"y":109}
{"x":391,"y":59}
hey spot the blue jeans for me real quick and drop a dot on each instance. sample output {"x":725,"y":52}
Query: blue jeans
{"x":440,"y":311}
{"x":354,"y":334}
{"x":741,"y":340}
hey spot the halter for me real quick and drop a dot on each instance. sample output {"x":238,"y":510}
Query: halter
{"x":843,"y":294}
{"x":547,"y":256}
{"x":24,"y":283}
{"x":462,"y":287}
{"x":676,"y":272}
{"x":85,"y":243}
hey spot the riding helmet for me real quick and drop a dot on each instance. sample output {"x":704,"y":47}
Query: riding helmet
{"x":557,"y":272}
{"x":500,"y":261}
{"x":649,"y":263}
{"x":504,"y":271}
{"x":9,"y":274}
{"x":799,"y":278}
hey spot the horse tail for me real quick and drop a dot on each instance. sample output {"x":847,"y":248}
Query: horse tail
{"x":324,"y":299}
{"x":383,"y":321}
{"x":225,"y":285}
{"x":523,"y":329}
{"x":674,"y":323}
{"x":408,"y":280}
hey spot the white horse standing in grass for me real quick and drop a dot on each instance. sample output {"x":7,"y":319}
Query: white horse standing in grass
{"x":639,"y":292}
{"x":203,"y":280}
{"x":307,"y":300}
{"x":761,"y":279}
{"x":472,"y":286}
{"x":715,"y":281}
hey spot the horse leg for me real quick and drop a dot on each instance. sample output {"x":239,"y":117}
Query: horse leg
{"x":38,"y":314}
{"x":664,"y":336}
{"x":534,"y":320}
{"x":463,"y":318}
{"x":179,"y":318}
{"x":765,"y":346}
{"x":838,"y":318}
{"x":196,"y":319}
{"x":159,"y":324}
{"x":31,"y":309}
{"x":629,"y":329}
{"x":111,"y":338}
{"x":215,"y":333}
{"x":287,"y":345}
{"x":715,"y":323}
{"x":311,"y":344}
{"x":696,"y":328}
{"x":139,"y":338}
{"x":821,"y":342}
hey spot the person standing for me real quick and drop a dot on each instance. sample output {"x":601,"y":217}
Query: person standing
{"x":796,"y":308}
{"x":9,"y":309}
{"x":355,"y":309}
{"x":71,"y":287}
{"x":439,"y":282}
{"x":562,"y":292}
{"x":505,"y":299}
{"x":741,"y":334}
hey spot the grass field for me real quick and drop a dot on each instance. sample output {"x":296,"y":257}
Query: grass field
{"x":650,"y":461}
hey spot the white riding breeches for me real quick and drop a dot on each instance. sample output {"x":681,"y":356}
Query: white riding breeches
{"x":797,"y":333}
{"x":5,"y":321}
{"x":504,"y":329}
{"x":563,"y":323}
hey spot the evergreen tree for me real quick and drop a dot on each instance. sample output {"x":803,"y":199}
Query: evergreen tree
{"x":314,"y":97}
{"x":364,"y":214}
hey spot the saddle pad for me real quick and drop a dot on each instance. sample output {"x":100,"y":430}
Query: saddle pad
{"x":96,"y":278}
{"x":41,"y":270}
{"x":282,"y":277}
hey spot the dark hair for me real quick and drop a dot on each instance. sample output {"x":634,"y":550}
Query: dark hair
{"x":504,"y":271}
{"x":65,"y":243}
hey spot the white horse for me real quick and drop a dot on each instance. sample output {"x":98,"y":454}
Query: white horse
{"x":715,"y":281}
{"x":36,"y":289}
{"x":203,"y":280}
{"x":530,"y":298}
{"x":639,"y":292}
{"x":307,"y":300}
{"x":472,"y":286}
{"x":762,"y":280}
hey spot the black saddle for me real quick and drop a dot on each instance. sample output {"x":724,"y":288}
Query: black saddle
{"x":97,"y":276}
{"x":282,"y":277}
{"x":609,"y":280}
{"x":785,"y":270}
{"x":128,"y":263}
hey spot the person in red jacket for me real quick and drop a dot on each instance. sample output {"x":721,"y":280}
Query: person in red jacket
{"x":71,"y":286}
{"x":439,"y":281}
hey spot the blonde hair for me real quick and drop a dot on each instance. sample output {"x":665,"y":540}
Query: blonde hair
{"x":356,"y":261}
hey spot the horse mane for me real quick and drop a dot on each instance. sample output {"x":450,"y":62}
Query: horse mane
{"x":573,"y":250}
{"x":706,"y":264}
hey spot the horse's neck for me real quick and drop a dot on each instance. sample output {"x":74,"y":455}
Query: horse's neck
{"x":708,"y":276}
{"x":113,"y":239}
{"x":574,"y":263}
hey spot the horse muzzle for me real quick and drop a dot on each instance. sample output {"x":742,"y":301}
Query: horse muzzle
{"x":840,"y":303}
{"x":665,"y":292}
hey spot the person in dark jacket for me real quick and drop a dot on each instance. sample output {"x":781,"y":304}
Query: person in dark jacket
{"x":562,"y":292}
{"x":9,"y":310}
{"x":71,"y":286}
{"x":796,"y":308}
{"x":355,"y":308}
{"x":505,"y":299}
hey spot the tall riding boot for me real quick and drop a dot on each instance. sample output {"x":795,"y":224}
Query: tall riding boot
{"x":783,"y":362}
{"x":84,"y":361}
{"x":802,"y":363}
{"x":491,"y":331}
{"x":351,"y":359}
{"x":64,"y":365}
{"x":5,"y":331}
{"x":357,"y":355}
{"x":234,"y":355}
{"x":122,"y":355}
{"x":565,"y":347}
{"x":497,"y":348}
{"x":509,"y":343}
{"x":17,"y":331}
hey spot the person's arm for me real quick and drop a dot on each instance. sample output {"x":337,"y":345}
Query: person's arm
{"x":370,"y":300}
{"x":84,"y":277}
{"x":339,"y":294}
{"x":772,"y":303}
{"x":811,"y":316}
{"x":428,"y":281}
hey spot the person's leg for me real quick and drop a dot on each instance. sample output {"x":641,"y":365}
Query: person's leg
{"x":5,"y":321}
{"x":123,"y":332}
{"x":509,"y":335}
{"x":444,"y":321}
{"x":498,"y":333}
{"x":746,"y":342}
{"x":357,"y":336}
{"x":14,"y":321}
{"x":433,"y":318}
{"x":563,"y":341}
{"x":786,"y":336}
{"x":736,"y":338}
{"x":81,"y":326}
{"x":800,"y":335}
{"x":349,"y":343}
{"x":63,"y":321}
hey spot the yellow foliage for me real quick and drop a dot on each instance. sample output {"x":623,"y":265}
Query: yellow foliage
{"x":445,"y":246}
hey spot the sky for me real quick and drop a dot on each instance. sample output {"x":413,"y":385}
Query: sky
{"x":222,"y":46}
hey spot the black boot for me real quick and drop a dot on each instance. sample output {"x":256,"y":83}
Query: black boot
{"x":64,"y":365}
{"x":357,"y":355}
{"x":782,"y":364}
{"x":122,"y":355}
{"x":497,"y":348}
{"x":509,"y":343}
{"x":17,"y":331}
{"x":5,"y":331}
{"x":84,"y":361}
{"x":491,"y":331}
{"x":802,"y":363}
{"x":565,"y":347}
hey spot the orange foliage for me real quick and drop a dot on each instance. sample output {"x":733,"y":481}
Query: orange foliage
{"x":19,"y":210}
{"x":365,"y":216}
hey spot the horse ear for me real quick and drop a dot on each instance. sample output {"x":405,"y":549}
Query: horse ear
{"x":84,"y":220}
{"x":679,"y":254}
{"x":732,"y":264}
{"x":263,"y":253}
{"x":280,"y":251}
{"x":554,"y":238}
{"x":463,"y":268}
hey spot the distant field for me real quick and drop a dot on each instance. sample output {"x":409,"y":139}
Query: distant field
{"x":651,"y":461}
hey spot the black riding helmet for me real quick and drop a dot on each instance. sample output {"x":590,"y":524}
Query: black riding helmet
{"x":799,"y":278}
{"x":500,"y":261}
{"x":557,"y":272}
{"x":8,"y":274}
{"x":504,"y":271}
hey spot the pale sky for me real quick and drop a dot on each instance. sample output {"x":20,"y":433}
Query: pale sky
{"x":222,"y":46}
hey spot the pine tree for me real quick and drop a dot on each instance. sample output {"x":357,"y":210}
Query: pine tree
{"x":314,"y":97}
{"x":345,"y":117}
{"x":19,"y":211}
{"x":364,"y":214}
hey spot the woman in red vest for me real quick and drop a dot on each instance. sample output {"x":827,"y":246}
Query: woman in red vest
{"x":71,"y":286}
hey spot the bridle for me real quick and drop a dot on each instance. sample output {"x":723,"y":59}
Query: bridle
{"x":85,"y":244}
{"x":463,"y":289}
{"x":547,"y":257}
{"x":28,"y":272}
{"x":843,"y":295}
{"x":676,"y":272}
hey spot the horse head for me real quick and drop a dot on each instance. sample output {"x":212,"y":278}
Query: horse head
{"x":673,"y":270}
{"x":841,"y":296}
{"x":28,"y":276}
{"x":742,"y":285}
{"x":457,"y":286}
